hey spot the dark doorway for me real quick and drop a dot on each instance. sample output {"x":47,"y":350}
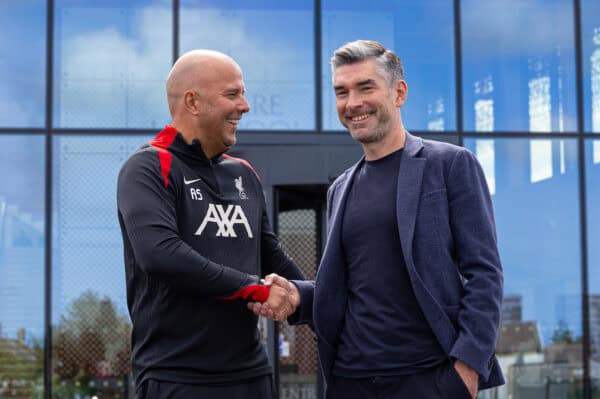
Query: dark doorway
{"x":299,"y":222}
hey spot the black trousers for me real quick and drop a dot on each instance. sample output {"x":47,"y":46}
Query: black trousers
{"x":441,"y":382}
{"x":258,"y":388}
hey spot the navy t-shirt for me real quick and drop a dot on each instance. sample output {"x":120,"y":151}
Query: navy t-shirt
{"x":385,"y":331}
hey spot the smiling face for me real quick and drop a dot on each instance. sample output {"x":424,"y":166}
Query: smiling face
{"x":221,"y":106}
{"x":366,"y":104}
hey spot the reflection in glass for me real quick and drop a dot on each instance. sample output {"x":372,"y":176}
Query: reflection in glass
{"x":22,"y":266}
{"x":22,"y":63}
{"x":592,"y":189}
{"x":539,"y":346}
{"x":273,"y":42}
{"x":590,"y":35}
{"x":91,"y":328}
{"x":518,"y":66}
{"x":111,"y":62}
{"x":420,"y":32}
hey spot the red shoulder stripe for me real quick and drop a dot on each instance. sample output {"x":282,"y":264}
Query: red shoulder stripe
{"x":243,"y":161}
{"x":161,"y":142}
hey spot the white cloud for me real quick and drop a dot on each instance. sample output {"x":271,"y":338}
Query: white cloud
{"x":540,"y":152}
{"x":112,"y":79}
{"x":486,"y":154}
{"x":274,"y":49}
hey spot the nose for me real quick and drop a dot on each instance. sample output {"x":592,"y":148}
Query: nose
{"x":354,"y":100}
{"x":243,"y":105}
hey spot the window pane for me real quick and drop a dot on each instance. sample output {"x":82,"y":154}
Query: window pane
{"x":536,"y":202}
{"x":590,"y":33}
{"x":91,"y":323}
{"x":111,"y":62}
{"x":592,"y":176}
{"x":23,"y":63}
{"x":518,"y":65}
{"x":420,"y":32}
{"x":22,"y":266}
{"x":273,"y":41}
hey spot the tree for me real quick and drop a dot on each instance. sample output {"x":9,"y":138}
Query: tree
{"x":92,"y":340}
{"x":562,"y":334}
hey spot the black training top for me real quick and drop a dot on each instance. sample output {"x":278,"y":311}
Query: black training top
{"x":196,"y":235}
{"x":385,"y":331}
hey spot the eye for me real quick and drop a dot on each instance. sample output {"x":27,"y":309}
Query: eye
{"x":341,"y":93}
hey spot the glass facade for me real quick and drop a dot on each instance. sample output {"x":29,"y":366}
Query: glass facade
{"x":90,"y":321}
{"x":516,"y":78}
{"x":590,"y":42}
{"x":592,"y":189}
{"x":22,"y":235}
{"x":422,"y":35}
{"x":22,"y":51}
{"x":109,"y":60}
{"x":541,"y":330}
{"x":273,"y":41}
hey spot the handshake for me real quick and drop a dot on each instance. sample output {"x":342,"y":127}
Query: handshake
{"x":283,"y":299}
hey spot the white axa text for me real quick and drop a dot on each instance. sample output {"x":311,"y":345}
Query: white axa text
{"x":226,"y":219}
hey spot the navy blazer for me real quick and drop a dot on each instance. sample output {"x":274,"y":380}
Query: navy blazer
{"x":448,"y":237}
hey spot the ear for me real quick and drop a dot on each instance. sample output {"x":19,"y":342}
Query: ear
{"x":400,"y":92}
{"x":191,"y":102}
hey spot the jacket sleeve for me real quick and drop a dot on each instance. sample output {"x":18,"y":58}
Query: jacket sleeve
{"x":474,"y":233}
{"x":148,"y":217}
{"x":304,"y":313}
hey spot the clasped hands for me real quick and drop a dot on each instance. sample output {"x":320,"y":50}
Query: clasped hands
{"x":283,"y":299}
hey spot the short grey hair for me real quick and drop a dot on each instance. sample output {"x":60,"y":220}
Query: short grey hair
{"x":388,"y":63}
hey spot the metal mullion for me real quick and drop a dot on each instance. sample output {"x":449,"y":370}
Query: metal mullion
{"x":48,"y":204}
{"x":175,"y":30}
{"x":587,"y":391}
{"x":318,"y":68}
{"x":593,"y":136}
{"x":458,"y":71}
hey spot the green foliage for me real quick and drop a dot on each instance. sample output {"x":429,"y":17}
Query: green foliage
{"x":21,"y":369}
{"x":92,"y":341}
{"x":562,"y":334}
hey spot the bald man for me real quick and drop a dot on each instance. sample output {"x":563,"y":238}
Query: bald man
{"x":196,"y":239}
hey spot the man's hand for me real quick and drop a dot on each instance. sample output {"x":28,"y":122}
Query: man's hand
{"x":469,"y":377}
{"x":283,"y":299}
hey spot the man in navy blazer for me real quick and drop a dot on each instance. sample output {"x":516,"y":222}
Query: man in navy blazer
{"x":407,"y":298}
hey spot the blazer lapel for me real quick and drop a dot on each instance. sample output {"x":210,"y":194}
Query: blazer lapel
{"x":408,"y":193}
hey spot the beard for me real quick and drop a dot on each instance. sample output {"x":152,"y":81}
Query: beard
{"x":379,"y":132}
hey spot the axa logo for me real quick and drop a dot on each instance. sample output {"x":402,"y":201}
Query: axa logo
{"x":225,"y":217}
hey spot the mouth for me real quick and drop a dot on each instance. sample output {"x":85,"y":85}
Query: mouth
{"x":233,"y":122}
{"x":359,"y":118}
